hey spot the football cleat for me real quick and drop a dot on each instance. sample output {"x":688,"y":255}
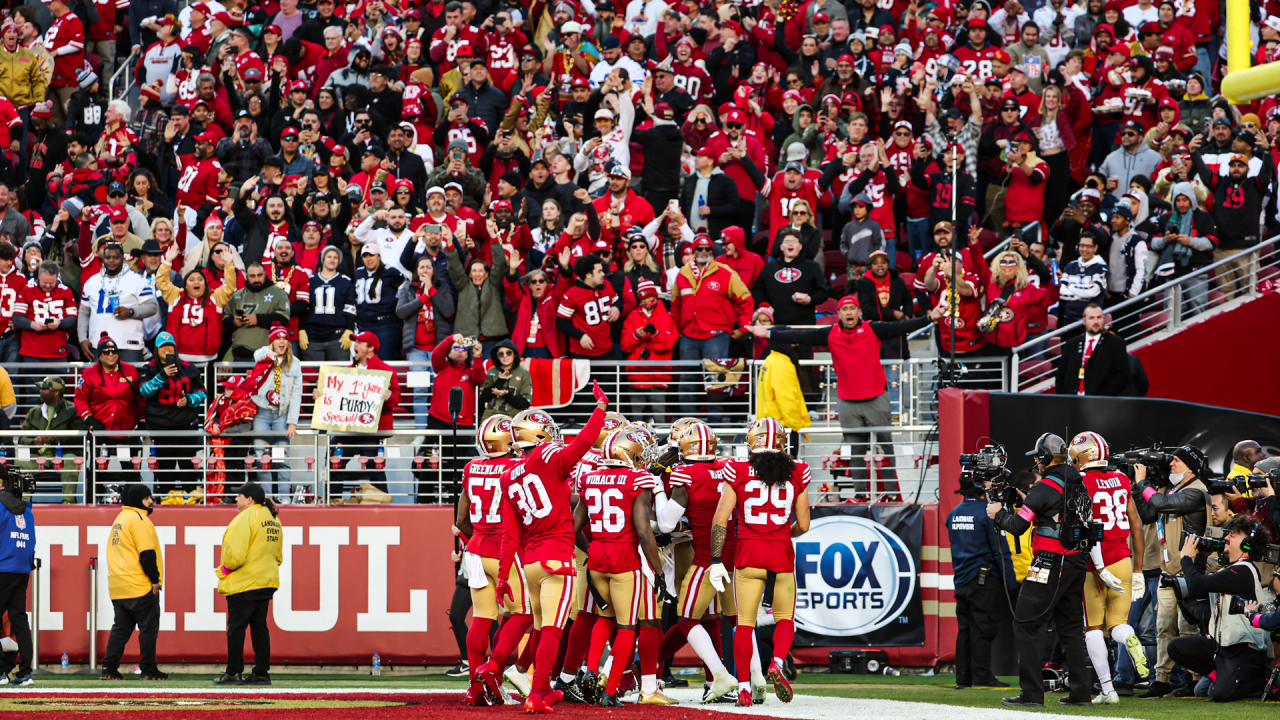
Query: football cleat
{"x":607,"y":700}
{"x":569,"y":690}
{"x":744,"y":698}
{"x":535,"y":705}
{"x":518,"y":680}
{"x":554,"y":697}
{"x":475,"y":696}
{"x":781,"y":687}
{"x":589,"y":687}
{"x":655,"y":698}
{"x":721,"y":685}
{"x":1110,"y":698}
{"x":488,"y":674}
{"x":1138,"y":654}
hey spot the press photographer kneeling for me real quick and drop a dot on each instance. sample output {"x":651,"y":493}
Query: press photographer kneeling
{"x":1235,"y":649}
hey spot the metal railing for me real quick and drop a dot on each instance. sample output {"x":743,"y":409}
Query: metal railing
{"x":125,"y":69}
{"x":927,"y":330}
{"x":872,"y":464}
{"x":1156,"y":313}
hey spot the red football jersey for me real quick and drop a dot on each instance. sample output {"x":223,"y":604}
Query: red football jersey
{"x":610,"y":494}
{"x":12,"y":288}
{"x":295,"y":281}
{"x":40,"y":307}
{"x":589,"y":308}
{"x":538,"y":491}
{"x":703,"y":481}
{"x":482,"y":480}
{"x":977,"y":63}
{"x":764,"y":515}
{"x":196,"y":325}
{"x":1110,"y":492}
{"x":199,"y":181}
{"x":780,"y":199}
{"x":65,"y":41}
{"x":587,"y":465}
{"x":695,"y":81}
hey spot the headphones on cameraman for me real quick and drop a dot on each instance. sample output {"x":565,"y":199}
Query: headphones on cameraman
{"x":1048,"y":446}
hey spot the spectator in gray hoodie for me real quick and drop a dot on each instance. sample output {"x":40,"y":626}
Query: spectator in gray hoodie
{"x":861,"y":237}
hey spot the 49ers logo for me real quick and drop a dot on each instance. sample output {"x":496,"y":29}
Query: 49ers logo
{"x":714,"y":286}
{"x":958,"y":324}
{"x":787,"y":275}
{"x":540,"y":417}
{"x":504,"y":425}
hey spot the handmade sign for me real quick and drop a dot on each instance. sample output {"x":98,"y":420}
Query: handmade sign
{"x":351,"y":399}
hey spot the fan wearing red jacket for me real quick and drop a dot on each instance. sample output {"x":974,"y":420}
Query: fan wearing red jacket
{"x":108,"y":397}
{"x":535,"y":300}
{"x":537,"y":515}
{"x":762,"y":492}
{"x":45,"y":312}
{"x":649,"y":334}
{"x":588,"y":310}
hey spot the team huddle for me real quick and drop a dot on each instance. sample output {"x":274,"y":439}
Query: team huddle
{"x":606,"y":528}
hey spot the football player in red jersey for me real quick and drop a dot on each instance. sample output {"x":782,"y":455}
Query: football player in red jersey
{"x":538,"y":521}
{"x":615,"y":508}
{"x":584,"y":618}
{"x":480,"y":518}
{"x":695,"y":494}
{"x":1108,"y":595}
{"x":762,"y":492}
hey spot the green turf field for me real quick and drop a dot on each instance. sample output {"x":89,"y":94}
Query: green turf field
{"x":936,"y":689}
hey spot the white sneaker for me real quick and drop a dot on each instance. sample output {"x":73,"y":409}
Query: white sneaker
{"x":518,"y":680}
{"x":1111,"y":698}
{"x":418,"y":440}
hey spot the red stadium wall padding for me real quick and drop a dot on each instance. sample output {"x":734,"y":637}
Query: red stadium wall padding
{"x":356,"y":581}
{"x":1227,"y":360}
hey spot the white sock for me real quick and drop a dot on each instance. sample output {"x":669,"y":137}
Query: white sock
{"x":566,"y":677}
{"x":701,"y":643}
{"x":648,"y":684}
{"x":744,"y":686}
{"x":1096,"y":643}
{"x":755,"y":651}
{"x":1121,"y":633}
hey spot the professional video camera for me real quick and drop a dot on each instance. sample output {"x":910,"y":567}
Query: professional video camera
{"x":1243,"y":483}
{"x":19,"y":482}
{"x":988,"y":468}
{"x":1154,"y":458}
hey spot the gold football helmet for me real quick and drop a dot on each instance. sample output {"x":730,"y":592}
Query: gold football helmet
{"x":698,"y":442}
{"x":633,"y":446}
{"x":677,"y":429}
{"x":494,"y":437}
{"x":1088,"y":450}
{"x":612,"y":421}
{"x":533,"y":427}
{"x":766,"y":435}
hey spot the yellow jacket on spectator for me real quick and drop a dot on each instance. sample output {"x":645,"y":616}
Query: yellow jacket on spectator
{"x":1021,"y":560}
{"x":252,"y":550}
{"x":132,"y":533}
{"x":780,"y":396}
{"x":22,"y":80}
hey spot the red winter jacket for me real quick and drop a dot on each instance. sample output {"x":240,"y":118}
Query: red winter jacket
{"x":519,"y":299}
{"x":659,"y":345}
{"x":468,"y":377}
{"x":112,"y":398}
{"x":392,"y":404}
{"x":713,"y":302}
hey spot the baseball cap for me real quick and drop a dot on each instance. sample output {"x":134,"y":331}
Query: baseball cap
{"x":821,"y":18}
{"x":619,"y":170}
{"x":208,"y":136}
{"x":119,"y":214}
{"x":570,"y":27}
{"x":375,"y":151}
{"x":793,"y":165}
{"x":115,"y":188}
{"x":369,"y":249}
{"x":52,"y":382}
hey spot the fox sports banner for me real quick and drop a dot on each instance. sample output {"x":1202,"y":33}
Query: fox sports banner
{"x":857,"y":581}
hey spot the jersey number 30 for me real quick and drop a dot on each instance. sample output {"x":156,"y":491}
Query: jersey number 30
{"x":530,"y":496}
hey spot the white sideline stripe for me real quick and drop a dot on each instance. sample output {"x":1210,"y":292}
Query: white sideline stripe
{"x":802,"y":707}
{"x":937,"y":580}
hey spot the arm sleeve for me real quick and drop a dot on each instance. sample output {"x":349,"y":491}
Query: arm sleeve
{"x":670,"y":515}
{"x":147,"y":558}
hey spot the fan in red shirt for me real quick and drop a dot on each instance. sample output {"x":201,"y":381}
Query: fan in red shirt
{"x":195,"y":317}
{"x":621,"y":207}
{"x":292,"y":279}
{"x":1108,"y":599}
{"x":480,"y":518}
{"x":65,"y":42}
{"x":446,"y":40}
{"x":565,"y":65}
{"x":46,"y":312}
{"x":959,"y":324}
{"x":539,"y":524}
{"x":588,"y":310}
{"x":505,"y":41}
{"x":762,"y":492}
{"x":786,"y":188}
{"x":198,"y":184}
{"x":13,"y":285}
{"x":1142,"y":94}
{"x":615,"y":509}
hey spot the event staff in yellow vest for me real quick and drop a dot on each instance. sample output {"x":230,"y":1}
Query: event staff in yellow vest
{"x":249,"y":573}
{"x":1181,"y":503}
{"x":1235,"y":650}
{"x":17,"y":557}
{"x":135,"y":574}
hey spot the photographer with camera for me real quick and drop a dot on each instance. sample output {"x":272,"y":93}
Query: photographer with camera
{"x":1175,"y":501}
{"x":1235,"y":651}
{"x":1060,"y":509}
{"x":981,"y":560}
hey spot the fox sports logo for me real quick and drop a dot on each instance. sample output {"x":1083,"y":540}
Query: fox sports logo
{"x":853,"y":576}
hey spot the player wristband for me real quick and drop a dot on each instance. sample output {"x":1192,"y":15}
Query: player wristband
{"x":715,"y":560}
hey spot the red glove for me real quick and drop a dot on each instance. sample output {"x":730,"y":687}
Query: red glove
{"x":503,"y":589}
{"x":600,"y":396}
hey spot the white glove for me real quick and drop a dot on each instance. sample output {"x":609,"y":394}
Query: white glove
{"x":1109,"y":579}
{"x":719,"y":577}
{"x":1139,"y":589}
